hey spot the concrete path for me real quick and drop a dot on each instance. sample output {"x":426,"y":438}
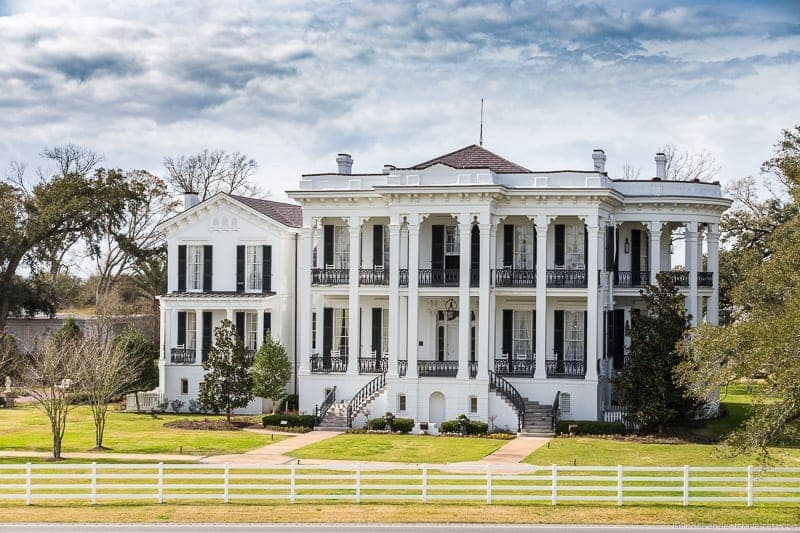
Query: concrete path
{"x":515,"y":451}
{"x":273,"y":454}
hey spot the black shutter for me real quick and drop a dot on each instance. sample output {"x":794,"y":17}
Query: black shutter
{"x":475,"y":251}
{"x":585,"y":336}
{"x":377,"y":245}
{"x":266,"y":268}
{"x":636,"y":250}
{"x":267,"y":324}
{"x":207,"y":333}
{"x":377,"y":323}
{"x":327,"y":336}
{"x":585,"y":247}
{"x":508,"y":328}
{"x":560,"y":244}
{"x":240,"y":325}
{"x":609,"y":248}
{"x":616,"y":249}
{"x":182,"y":268}
{"x":508,"y":245}
{"x":208,"y":267}
{"x":440,"y":343}
{"x":558,"y":334}
{"x":472,"y":344}
{"x":327,"y":244}
{"x":535,"y":245}
{"x":618,"y":338}
{"x":240,"y":268}
{"x":533,"y":332}
{"x":182,"y":328}
{"x":437,"y":247}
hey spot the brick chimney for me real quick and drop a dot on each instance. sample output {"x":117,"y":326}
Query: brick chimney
{"x":345,"y":163}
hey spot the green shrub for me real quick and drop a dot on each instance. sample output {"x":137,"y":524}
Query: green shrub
{"x":476,"y":427}
{"x":591,"y":427}
{"x":450,"y":426}
{"x":403,"y":425}
{"x":306,"y":421}
{"x":501,"y":436}
{"x":377,"y":424}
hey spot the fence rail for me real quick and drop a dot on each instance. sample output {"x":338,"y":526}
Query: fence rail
{"x":226,"y":483}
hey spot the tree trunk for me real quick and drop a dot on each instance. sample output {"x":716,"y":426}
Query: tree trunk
{"x":138,"y":407}
{"x":228,"y":414}
{"x":56,"y":446}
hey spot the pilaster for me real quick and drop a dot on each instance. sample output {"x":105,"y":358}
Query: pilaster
{"x":713,"y":267}
{"x":304,"y":297}
{"x":394,"y":296}
{"x":655,"y":250}
{"x":413,"y":296}
{"x":484,"y":303}
{"x":592,"y":293}
{"x":692,"y":268}
{"x":354,"y":317}
{"x":541,"y":295}
{"x":464,"y":315}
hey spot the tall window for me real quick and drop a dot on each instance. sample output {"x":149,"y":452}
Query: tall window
{"x":250,"y":330}
{"x":194,"y":270}
{"x":341,"y":247}
{"x":386,"y":247}
{"x":191,"y":331}
{"x":573,"y":335}
{"x":451,"y":240}
{"x":573,"y":247}
{"x":384,"y":331}
{"x":340,"y":331}
{"x":522,"y":334}
{"x":254,"y":266}
{"x":524,"y":247}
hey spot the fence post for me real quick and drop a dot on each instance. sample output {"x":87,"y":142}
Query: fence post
{"x":160,"y":482}
{"x":749,"y":486}
{"x":554,"y":490}
{"x":489,"y":484}
{"x":358,"y":483}
{"x":619,"y":484}
{"x":685,"y":485}
{"x":94,"y":483}
{"x":226,"y":484}
{"x":424,"y":483}
{"x":292,"y":483}
{"x":28,"y":482}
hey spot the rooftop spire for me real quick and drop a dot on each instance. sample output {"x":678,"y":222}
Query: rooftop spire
{"x":480,"y":140}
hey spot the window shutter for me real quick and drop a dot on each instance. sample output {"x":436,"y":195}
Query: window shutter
{"x":266,"y":268}
{"x":609,"y":248}
{"x":533,"y":332}
{"x":472,"y":344}
{"x":560,"y":237}
{"x":182,"y":328}
{"x":207,"y":333}
{"x":182,"y":268}
{"x":636,"y":250}
{"x":327,"y":335}
{"x":327,"y":245}
{"x":377,"y":245}
{"x":267,"y":324}
{"x":240,"y":268}
{"x":240,"y":325}
{"x":558,"y":334}
{"x":508,"y":328}
{"x":535,"y":248}
{"x":208,"y":267}
{"x":377,"y":330}
{"x":508,"y":245}
{"x":585,"y":336}
{"x":618,"y":338}
{"x":616,"y":249}
{"x":437,"y":247}
{"x":475,"y":251}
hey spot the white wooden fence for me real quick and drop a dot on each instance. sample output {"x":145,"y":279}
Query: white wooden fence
{"x":552,"y":485}
{"x":147,"y":401}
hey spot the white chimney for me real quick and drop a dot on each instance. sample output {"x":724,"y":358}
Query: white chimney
{"x":599,"y":158}
{"x":661,"y":166}
{"x":345,"y":163}
{"x":387,"y":169}
{"x":190,"y":199}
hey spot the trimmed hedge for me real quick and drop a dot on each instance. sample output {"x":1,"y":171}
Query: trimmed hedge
{"x":377,"y":424}
{"x":306,"y":421}
{"x":398,"y":425}
{"x":591,"y":427}
{"x":450,"y":426}
{"x":474,"y":427}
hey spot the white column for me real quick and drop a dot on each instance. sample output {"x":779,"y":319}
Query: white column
{"x":691,"y":267}
{"x":484,"y":303}
{"x":413,"y":296}
{"x":316,"y":239}
{"x":354,"y":329}
{"x":713,"y":267}
{"x":492,"y":296}
{"x":655,"y":250}
{"x":319,"y":309}
{"x":541,"y":296}
{"x":198,"y":335}
{"x":164,"y":349}
{"x":304,"y":298}
{"x":464,"y":318}
{"x":592,"y":292}
{"x":259,"y":328}
{"x":394,"y":296}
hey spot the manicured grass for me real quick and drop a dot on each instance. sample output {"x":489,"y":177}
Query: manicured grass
{"x":400,"y":448}
{"x":72,"y":461}
{"x":26,"y":428}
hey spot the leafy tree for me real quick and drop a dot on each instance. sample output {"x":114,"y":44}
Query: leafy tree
{"x":227,"y":383}
{"x":69,"y":332}
{"x":764,"y":336}
{"x":646,"y":385}
{"x":143,"y":357}
{"x":271,"y":370}
{"x":210,"y":172}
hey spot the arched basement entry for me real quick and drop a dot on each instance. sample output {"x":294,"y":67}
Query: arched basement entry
{"x":436,"y":408}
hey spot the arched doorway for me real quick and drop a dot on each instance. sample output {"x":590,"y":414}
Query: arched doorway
{"x":436,"y":412}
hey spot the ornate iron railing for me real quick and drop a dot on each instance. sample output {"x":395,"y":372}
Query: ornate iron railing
{"x":321,"y":410}
{"x":325,"y":365}
{"x":373,"y":276}
{"x":566,"y":278}
{"x":438,"y":369}
{"x":565,"y":369}
{"x":515,"y":367}
{"x":705,"y":279}
{"x":514,"y":277}
{"x":372,"y":365}
{"x":364,"y":396}
{"x":636,"y":278}
{"x":183,"y":356}
{"x":402,"y":366}
{"x":404,"y":277}
{"x":330,"y":276}
{"x":507,"y":391}
{"x":438,"y":277}
{"x":556,"y":410}
{"x":679,"y":278}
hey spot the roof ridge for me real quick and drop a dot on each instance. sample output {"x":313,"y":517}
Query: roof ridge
{"x":473,"y":156}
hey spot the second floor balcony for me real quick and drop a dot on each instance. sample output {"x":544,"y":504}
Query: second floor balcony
{"x":514,"y":277}
{"x":637,"y":278}
{"x":330,"y":276}
{"x":562,"y":278}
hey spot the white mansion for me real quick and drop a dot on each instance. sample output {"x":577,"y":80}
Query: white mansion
{"x":466,"y":284}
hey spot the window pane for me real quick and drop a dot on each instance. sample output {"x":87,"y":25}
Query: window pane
{"x":340,"y":332}
{"x":523,"y":247}
{"x":250,"y":329}
{"x":254,"y":266}
{"x":341,"y":254}
{"x":522,"y":333}
{"x":194,"y":260}
{"x":573,"y":335}
{"x":191,"y":331}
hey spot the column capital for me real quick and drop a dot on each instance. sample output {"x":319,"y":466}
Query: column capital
{"x":654,"y":225}
{"x":542,"y":221}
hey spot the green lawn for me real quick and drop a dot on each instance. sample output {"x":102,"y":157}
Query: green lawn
{"x":26,"y":428}
{"x":400,"y":448}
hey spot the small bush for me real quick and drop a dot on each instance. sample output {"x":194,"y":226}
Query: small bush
{"x":403,"y":425}
{"x":501,"y":436}
{"x":476,"y":427}
{"x":176,"y":405}
{"x":450,"y":426}
{"x":288,"y":429}
{"x":377,"y":424}
{"x":591,"y":427}
{"x":194,"y":406}
{"x":306,"y":421}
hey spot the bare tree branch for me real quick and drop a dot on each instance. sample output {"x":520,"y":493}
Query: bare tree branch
{"x":210,"y":172}
{"x":686,"y":166}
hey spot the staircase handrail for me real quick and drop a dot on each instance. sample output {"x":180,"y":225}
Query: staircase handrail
{"x":556,"y":409}
{"x":321,"y":410}
{"x":360,"y":398}
{"x":508,"y":390}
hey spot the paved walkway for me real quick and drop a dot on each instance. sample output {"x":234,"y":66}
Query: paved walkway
{"x":515,"y":451}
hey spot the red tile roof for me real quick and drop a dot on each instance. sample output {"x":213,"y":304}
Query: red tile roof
{"x":287,"y":214}
{"x":474,"y":156}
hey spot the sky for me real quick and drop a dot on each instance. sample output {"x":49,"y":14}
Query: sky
{"x":292,"y":83}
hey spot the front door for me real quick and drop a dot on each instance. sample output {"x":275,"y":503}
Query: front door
{"x":447,"y":336}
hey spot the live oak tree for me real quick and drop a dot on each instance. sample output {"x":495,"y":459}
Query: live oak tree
{"x":271,"y":370}
{"x":227,"y":383}
{"x":646,"y":386}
